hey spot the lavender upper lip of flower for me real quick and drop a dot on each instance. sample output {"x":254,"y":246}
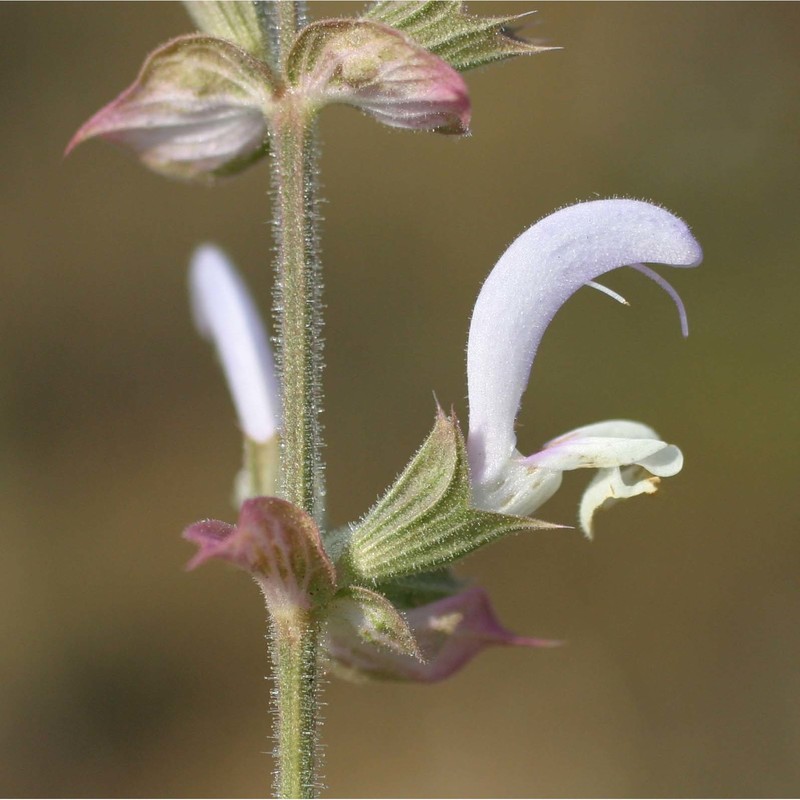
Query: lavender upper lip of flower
{"x":542,"y":268}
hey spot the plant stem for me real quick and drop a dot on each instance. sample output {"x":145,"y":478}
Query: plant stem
{"x":297,"y":305}
{"x":295,"y":645}
{"x":288,"y":17}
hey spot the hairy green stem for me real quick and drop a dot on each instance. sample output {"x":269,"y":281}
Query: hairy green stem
{"x":289,"y":16}
{"x":298,"y":306}
{"x":295,"y":643}
{"x":298,"y":287}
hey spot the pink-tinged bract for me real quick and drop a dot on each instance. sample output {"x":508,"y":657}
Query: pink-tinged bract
{"x":197,"y":110}
{"x":278,"y":543}
{"x":381,"y":71}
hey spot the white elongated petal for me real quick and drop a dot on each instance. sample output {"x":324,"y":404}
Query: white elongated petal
{"x":530,"y":282}
{"x":225,"y":314}
{"x":629,"y":457}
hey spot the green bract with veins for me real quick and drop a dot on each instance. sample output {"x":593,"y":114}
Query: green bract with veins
{"x":444,"y":28}
{"x":374,"y":620}
{"x":425,"y":520}
{"x":237,"y":22}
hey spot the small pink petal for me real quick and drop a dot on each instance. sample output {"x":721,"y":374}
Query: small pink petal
{"x":209,"y":536}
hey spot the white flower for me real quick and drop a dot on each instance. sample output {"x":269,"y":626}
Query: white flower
{"x":225,"y":313}
{"x":531,"y":281}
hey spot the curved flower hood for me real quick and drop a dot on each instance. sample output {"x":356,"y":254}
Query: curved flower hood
{"x":536,"y":275}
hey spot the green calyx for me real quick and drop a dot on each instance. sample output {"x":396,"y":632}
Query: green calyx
{"x":444,"y":28}
{"x":425,"y":520}
{"x":412,"y":591}
{"x":373,"y":619}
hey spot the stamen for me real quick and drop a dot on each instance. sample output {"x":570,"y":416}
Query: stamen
{"x":610,"y":292}
{"x":670,"y":290}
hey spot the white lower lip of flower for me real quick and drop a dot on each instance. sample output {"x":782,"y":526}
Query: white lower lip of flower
{"x":629,"y":458}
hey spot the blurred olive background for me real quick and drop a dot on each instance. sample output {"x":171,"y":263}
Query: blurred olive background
{"x":122,"y":675}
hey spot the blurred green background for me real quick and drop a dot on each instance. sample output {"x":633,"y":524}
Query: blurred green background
{"x":122,"y":675}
